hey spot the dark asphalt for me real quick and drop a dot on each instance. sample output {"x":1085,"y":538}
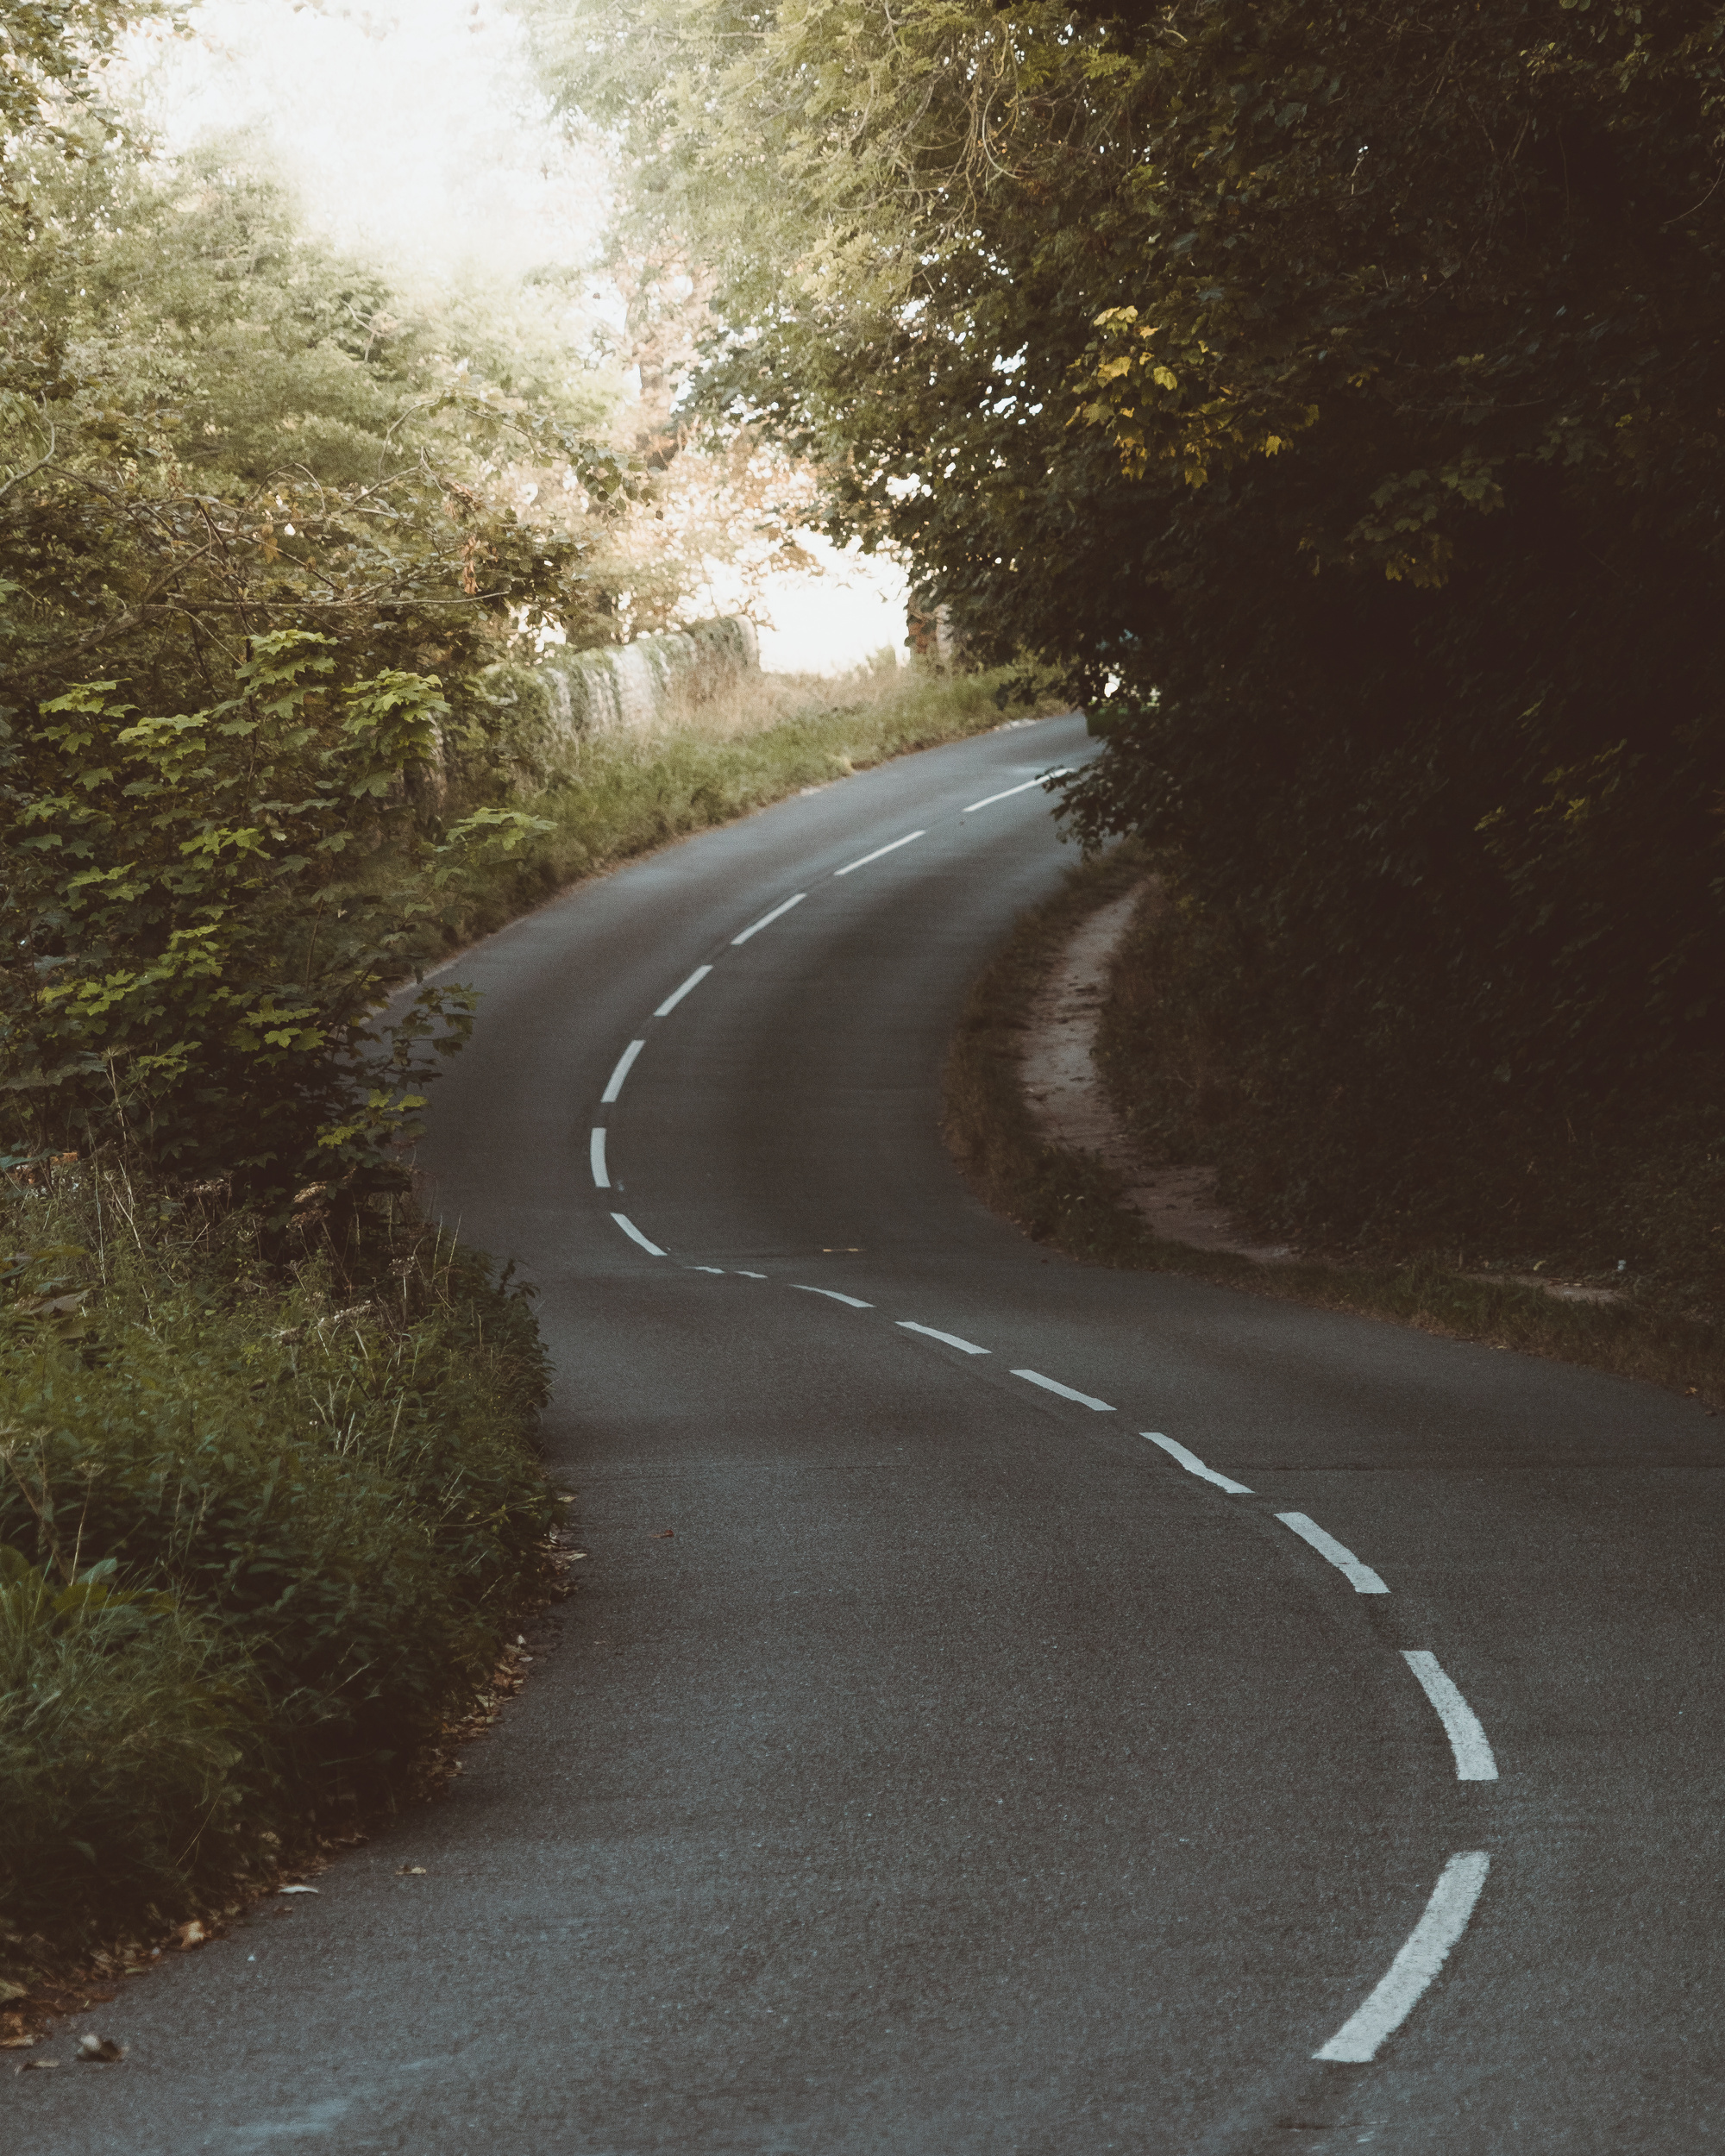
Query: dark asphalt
{"x":962,"y":1777}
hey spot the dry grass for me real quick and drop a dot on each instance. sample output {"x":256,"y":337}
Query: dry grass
{"x":755,"y":703}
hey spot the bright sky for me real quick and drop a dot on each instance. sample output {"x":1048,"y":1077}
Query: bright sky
{"x":416,"y":130}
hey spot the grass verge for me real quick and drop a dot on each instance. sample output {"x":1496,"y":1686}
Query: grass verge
{"x":1076,"y":1203}
{"x":710,"y":762}
{"x":264,"y":1529}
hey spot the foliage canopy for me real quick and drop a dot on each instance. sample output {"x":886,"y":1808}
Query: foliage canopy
{"x":1336,"y":393}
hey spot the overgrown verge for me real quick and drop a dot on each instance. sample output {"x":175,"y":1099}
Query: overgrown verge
{"x":723,"y":757}
{"x":1207,"y":1060}
{"x":265,"y":1521}
{"x":1076,"y":1203}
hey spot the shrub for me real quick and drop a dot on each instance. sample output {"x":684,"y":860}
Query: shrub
{"x":263,"y":1539}
{"x":195,"y":962}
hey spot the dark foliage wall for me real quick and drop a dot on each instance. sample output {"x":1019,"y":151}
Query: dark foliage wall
{"x":1337,"y":393}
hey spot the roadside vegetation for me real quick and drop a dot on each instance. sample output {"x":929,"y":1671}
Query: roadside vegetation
{"x":268,"y":1506}
{"x":1333,"y":395}
{"x":1660,"y":1330}
{"x":277,"y":533}
{"x":754,"y":743}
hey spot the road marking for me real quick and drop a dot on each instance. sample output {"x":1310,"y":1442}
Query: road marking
{"x":596,"y":1156}
{"x":706,"y":1269}
{"x":969,"y":1347}
{"x":1427,"y":1948}
{"x":1474,"y":1761}
{"x":671,"y":1001}
{"x":1365,"y":1580}
{"x":1059,"y":772}
{"x":634,"y":1235}
{"x":1194,"y":1465}
{"x":878,"y":851}
{"x":830,"y":1291}
{"x":745,"y":1276}
{"x":613,"y":1085}
{"x":767,"y":919}
{"x":1048,"y":1385}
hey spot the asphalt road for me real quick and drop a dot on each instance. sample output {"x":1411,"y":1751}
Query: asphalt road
{"x":960,"y":1774}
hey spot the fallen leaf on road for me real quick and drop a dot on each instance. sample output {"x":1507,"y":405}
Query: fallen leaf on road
{"x":9,"y":1990}
{"x":102,"y":2049}
{"x":410,"y":1871}
{"x":297,"y":1889}
{"x":18,"y":2043}
{"x":36,"y":2066}
{"x":665,"y":1534}
{"x":190,"y":1935}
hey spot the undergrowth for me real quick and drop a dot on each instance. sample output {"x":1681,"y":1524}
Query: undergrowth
{"x":1074,"y":1203}
{"x":1312,"y":1143}
{"x":264,"y":1519}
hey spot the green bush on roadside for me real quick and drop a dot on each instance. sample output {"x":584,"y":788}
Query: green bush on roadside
{"x":262,"y":1534}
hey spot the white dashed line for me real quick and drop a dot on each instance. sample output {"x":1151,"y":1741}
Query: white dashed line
{"x":1473,"y":1757}
{"x":1058,"y":773}
{"x":613,"y":1085}
{"x":596,"y":1156}
{"x":741,"y":1274}
{"x":767,"y":919}
{"x":1365,"y":1580}
{"x":671,"y":1001}
{"x":705,"y":1269}
{"x":1048,"y":1385}
{"x":634,"y":1235}
{"x":831,"y":1293}
{"x":1194,"y":1465}
{"x":968,"y":1347}
{"x":878,"y":851}
{"x":1427,"y":1949}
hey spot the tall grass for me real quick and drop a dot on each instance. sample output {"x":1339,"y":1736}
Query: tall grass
{"x":263,"y":1520}
{"x":708,"y":760}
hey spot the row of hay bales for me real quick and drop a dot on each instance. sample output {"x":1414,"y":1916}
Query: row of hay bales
{"x":542,"y":713}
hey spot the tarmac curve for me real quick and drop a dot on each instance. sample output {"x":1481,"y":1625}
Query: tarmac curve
{"x":1013,"y":1708}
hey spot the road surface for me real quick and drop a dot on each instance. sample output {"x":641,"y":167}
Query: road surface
{"x":935,"y":1763}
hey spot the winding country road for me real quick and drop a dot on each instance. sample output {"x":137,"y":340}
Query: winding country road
{"x":1013,"y":1709}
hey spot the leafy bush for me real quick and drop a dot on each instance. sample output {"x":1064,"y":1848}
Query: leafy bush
{"x":194,"y":965}
{"x":262,"y":1537}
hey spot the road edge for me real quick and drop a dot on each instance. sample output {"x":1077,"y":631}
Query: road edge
{"x":1074,"y":1202}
